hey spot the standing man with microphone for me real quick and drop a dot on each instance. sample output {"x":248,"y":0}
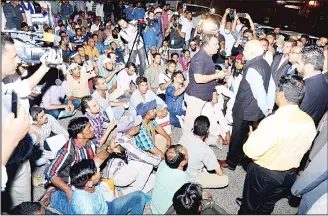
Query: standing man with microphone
{"x":202,"y":79}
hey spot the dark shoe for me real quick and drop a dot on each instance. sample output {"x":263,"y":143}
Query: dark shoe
{"x":223,"y":164}
{"x":239,"y":201}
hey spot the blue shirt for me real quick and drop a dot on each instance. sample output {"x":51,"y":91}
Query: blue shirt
{"x":101,"y":48}
{"x":150,"y":36}
{"x":138,"y":13}
{"x":66,"y":9}
{"x":174,"y":103}
{"x":84,"y":202}
{"x":129,"y":13}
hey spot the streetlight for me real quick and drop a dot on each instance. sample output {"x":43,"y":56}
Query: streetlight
{"x":313,"y":3}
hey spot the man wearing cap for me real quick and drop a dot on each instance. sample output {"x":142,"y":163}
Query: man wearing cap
{"x":87,"y":66}
{"x":148,"y":138}
{"x":142,"y":95}
{"x":193,"y":49}
{"x":109,"y":71}
{"x":78,"y":81}
{"x":98,"y":119}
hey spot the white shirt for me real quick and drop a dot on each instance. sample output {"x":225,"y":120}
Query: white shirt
{"x":28,"y":13}
{"x":45,"y":4}
{"x":89,"y":5}
{"x":283,"y":59}
{"x":129,"y":35}
{"x":229,"y":39}
{"x":162,"y":79}
{"x":215,"y":115}
{"x":4,"y":177}
{"x":124,"y":79}
{"x":268,"y":57}
{"x":100,"y":10}
{"x":186,"y":28}
{"x":94,"y":28}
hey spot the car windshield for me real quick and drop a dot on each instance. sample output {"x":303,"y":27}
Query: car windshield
{"x":197,"y":10}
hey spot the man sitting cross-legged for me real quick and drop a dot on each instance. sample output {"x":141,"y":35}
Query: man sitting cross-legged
{"x":200,"y":155}
{"x":142,"y":95}
{"x":170,"y":176}
{"x":87,"y":197}
{"x":149,"y":138}
{"x":79,"y":147}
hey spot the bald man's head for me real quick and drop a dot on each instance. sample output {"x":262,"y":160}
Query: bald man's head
{"x":252,"y":49}
{"x":294,"y":54}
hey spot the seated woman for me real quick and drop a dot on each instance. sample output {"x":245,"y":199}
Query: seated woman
{"x":57,"y":96}
{"x":175,"y":97}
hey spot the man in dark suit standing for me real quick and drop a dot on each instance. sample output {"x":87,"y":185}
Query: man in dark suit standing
{"x":309,"y":65}
{"x":280,"y":64}
{"x":292,"y":58}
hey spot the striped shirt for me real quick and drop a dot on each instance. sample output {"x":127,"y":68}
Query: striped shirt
{"x":136,"y":154}
{"x":97,"y":124}
{"x":71,"y":153}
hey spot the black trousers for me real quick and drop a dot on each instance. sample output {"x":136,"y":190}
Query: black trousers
{"x":240,"y":129}
{"x":263,"y":188}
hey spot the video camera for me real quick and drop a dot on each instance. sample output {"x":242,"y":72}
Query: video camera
{"x":151,"y":22}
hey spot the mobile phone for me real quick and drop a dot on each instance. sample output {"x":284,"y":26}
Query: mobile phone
{"x":241,"y":15}
{"x":14,"y":103}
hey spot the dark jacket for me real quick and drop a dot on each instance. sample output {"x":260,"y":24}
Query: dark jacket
{"x":315,"y":101}
{"x":246,"y":106}
{"x":276,"y":72}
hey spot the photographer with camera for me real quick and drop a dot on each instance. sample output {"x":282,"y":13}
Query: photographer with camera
{"x":226,"y":30}
{"x":177,"y":35}
{"x":238,"y":47}
{"x":151,"y":31}
{"x":18,"y":166}
{"x":238,"y":28}
{"x":131,"y":33}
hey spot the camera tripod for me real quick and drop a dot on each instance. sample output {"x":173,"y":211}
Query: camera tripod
{"x":137,"y":41}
